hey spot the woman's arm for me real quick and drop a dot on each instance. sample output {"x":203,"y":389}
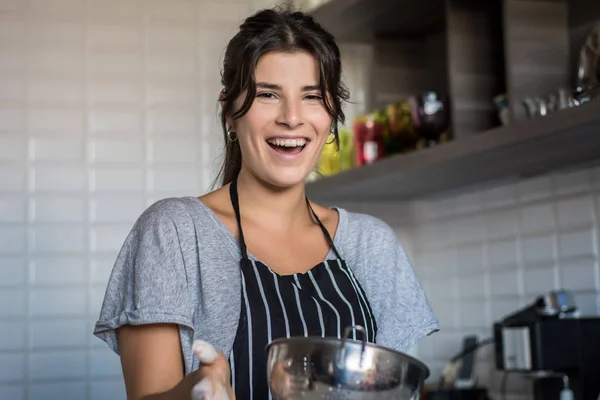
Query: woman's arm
{"x":150,"y":303}
{"x":151,"y":359}
{"x":152,"y":364}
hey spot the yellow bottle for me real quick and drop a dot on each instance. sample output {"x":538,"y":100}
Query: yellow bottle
{"x":329,"y":161}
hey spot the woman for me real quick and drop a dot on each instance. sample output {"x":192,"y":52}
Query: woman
{"x":255,"y":260}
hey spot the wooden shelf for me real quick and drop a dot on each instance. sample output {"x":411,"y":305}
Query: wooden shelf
{"x":364,"y":20}
{"x":526,"y":148}
{"x":468,"y":51}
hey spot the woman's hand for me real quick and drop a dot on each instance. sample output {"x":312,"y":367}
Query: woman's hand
{"x":214,"y":372}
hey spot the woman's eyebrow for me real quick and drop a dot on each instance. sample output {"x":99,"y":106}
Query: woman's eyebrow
{"x":273,"y":86}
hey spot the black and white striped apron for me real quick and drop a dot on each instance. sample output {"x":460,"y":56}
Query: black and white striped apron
{"x":321,"y":302}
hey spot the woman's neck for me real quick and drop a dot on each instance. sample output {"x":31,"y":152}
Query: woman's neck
{"x":279,"y":208}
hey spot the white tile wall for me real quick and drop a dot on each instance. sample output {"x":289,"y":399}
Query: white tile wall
{"x":105,"y":107}
{"x":482,"y":253}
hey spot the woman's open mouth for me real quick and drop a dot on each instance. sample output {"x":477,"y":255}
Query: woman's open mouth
{"x":287,"y":146}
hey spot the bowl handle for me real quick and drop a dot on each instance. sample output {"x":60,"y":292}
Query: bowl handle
{"x":357,"y":328}
{"x":347,"y":331}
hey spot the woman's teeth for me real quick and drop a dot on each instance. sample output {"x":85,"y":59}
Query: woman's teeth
{"x":287,"y":142}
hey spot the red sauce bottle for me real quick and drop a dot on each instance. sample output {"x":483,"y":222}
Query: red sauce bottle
{"x":368,"y":138}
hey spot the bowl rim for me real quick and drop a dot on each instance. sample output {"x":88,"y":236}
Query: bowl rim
{"x":333,"y":340}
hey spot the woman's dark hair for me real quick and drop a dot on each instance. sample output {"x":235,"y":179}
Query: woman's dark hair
{"x":278,"y":29}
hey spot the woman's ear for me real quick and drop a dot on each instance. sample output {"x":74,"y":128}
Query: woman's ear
{"x":229,"y":124}
{"x":221,"y":99}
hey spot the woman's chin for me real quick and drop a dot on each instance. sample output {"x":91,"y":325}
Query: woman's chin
{"x":285,"y":178}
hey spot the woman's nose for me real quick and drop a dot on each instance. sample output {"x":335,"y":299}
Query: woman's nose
{"x":290,"y":114}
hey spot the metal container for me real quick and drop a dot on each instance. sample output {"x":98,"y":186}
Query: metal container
{"x":330,"y":368}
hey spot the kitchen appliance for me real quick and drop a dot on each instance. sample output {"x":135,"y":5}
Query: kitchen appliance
{"x":458,"y":381}
{"x":553,"y":345}
{"x":474,"y":393}
{"x":330,"y":368}
{"x":466,"y":373}
{"x":588,"y":69}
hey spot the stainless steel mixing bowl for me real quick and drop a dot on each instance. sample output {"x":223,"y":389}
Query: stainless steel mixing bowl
{"x":330,"y":368}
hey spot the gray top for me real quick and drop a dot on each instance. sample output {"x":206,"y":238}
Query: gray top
{"x":180,"y":264}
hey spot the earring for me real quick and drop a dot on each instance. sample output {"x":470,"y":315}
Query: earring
{"x":231,"y":135}
{"x":332,"y":138}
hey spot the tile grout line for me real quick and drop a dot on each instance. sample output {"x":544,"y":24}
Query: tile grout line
{"x":89,"y":236}
{"x":148,"y":170}
{"x":30,"y":183}
{"x":200,"y":138}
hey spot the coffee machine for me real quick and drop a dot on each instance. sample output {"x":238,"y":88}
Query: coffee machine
{"x":551,"y":343}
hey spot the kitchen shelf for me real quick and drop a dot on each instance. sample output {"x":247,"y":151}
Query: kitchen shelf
{"x":526,"y":148}
{"x":468,"y":51}
{"x":452,"y":47}
{"x":364,"y":20}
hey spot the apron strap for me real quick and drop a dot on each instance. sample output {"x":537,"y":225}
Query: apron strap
{"x":233,"y":193}
{"x":325,"y":232}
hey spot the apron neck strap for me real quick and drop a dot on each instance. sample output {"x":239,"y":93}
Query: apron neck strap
{"x":325,"y":231}
{"x":233,"y":193}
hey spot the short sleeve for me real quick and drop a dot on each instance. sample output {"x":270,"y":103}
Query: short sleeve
{"x":148,"y":283}
{"x":406,"y":313}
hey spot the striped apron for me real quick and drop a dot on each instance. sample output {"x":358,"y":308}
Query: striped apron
{"x":321,"y":302}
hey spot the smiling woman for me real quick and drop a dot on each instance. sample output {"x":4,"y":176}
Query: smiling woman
{"x":255,"y":260}
{"x":283,"y":133}
{"x":286,"y":85}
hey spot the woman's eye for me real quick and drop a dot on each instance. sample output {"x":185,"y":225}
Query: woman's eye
{"x":266,"y":95}
{"x":313,"y":97}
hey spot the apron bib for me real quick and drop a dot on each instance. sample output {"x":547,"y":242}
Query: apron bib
{"x":321,"y":302}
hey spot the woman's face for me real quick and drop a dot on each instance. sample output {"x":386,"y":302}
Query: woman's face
{"x":283,"y":133}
